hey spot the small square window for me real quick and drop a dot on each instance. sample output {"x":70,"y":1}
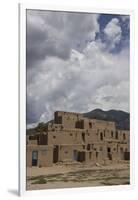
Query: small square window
{"x":121,"y":149}
{"x":124,"y":136}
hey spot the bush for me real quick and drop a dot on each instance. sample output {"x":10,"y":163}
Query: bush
{"x":40,"y":181}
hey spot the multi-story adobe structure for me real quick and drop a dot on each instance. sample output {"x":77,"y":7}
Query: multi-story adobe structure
{"x":72,"y":137}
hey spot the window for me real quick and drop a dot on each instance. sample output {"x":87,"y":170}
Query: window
{"x":70,"y":134}
{"x":90,"y":125}
{"x":121,"y":149}
{"x":54,"y":136}
{"x":83,"y":146}
{"x":35,"y":155}
{"x":88,"y":147}
{"x":116,"y":134}
{"x":59,"y":120}
{"x":31,"y":137}
{"x":66,"y":152}
{"x":101,"y":136}
{"x":124,"y":136}
{"x":83,"y":137}
{"x":79,"y":124}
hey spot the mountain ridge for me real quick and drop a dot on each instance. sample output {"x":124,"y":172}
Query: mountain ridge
{"x":121,"y":119}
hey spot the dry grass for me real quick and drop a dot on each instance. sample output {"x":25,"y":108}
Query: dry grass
{"x":103,"y":177}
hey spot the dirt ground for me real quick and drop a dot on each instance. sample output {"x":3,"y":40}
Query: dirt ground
{"x":68,"y":176}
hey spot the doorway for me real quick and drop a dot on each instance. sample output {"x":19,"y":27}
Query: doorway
{"x":81,"y":156}
{"x":109,"y":153}
{"x":55,"y":153}
{"x":101,"y":136}
{"x":83,"y":137}
{"x":126,"y":155}
{"x":34,"y":158}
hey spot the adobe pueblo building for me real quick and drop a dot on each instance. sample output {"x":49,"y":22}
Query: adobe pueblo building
{"x":70,"y":137}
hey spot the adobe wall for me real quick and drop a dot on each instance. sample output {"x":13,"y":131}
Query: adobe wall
{"x":98,"y":124}
{"x":67,"y":119}
{"x":45,"y":155}
{"x":80,"y":136}
{"x":72,"y":137}
{"x":54,"y":127}
{"x":66,"y":151}
{"x":32,"y":142}
{"x":124,"y":147}
{"x":95,"y":152}
{"x":123,"y":135}
{"x":96,"y":140}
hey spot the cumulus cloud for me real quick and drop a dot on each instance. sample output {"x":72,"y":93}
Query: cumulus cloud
{"x":113,"y":32}
{"x":80,"y":83}
{"x":88,"y":77}
{"x":55,"y":33}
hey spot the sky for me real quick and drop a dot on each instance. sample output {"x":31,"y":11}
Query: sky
{"x":76,"y":62}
